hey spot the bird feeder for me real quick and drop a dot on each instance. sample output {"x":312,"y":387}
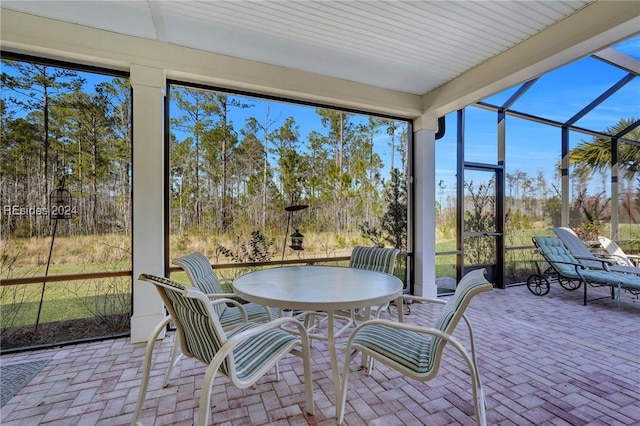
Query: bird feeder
{"x":60,"y":203}
{"x":296,"y":237}
{"x":296,"y":240}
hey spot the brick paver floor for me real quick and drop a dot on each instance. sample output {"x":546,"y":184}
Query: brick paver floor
{"x":543,"y":360}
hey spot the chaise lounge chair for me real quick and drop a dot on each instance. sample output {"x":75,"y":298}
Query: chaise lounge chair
{"x":619,"y":255}
{"x":567,"y":267}
{"x":586,"y":257}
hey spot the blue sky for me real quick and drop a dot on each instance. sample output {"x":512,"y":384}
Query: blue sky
{"x":532,"y":147}
{"x":557,"y":95}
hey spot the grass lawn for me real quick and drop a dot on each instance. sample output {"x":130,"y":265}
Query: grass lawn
{"x":88,"y":298}
{"x":64,"y":300}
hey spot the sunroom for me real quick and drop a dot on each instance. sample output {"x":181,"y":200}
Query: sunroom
{"x":446,"y":82}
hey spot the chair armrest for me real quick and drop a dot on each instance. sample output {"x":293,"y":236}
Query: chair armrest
{"x":628,"y":260}
{"x":420,"y":299}
{"x":403,"y":326}
{"x":233,"y":296}
{"x":634,"y":258}
{"x":221,"y":295}
{"x":605,"y":263}
{"x":577,"y":266}
{"x":400,"y":300}
{"x":614,"y":257}
{"x":235,"y":303}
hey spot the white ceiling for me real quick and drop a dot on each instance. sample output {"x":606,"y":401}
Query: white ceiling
{"x":409,"y":46}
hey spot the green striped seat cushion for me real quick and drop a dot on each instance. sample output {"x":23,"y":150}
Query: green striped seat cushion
{"x":415,"y":351}
{"x":255,"y":352}
{"x":406,"y":348}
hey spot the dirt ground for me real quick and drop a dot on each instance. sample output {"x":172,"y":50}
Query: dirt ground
{"x":63,"y":332}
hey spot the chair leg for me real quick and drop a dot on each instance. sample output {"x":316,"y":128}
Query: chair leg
{"x":341,"y":400}
{"x":366,"y":363}
{"x":146,"y":369}
{"x":370,"y":366}
{"x":482,"y":407}
{"x":205,"y":392}
{"x":477,"y":393}
{"x":173,"y":361}
{"x":370,"y":361}
{"x":308,"y":380}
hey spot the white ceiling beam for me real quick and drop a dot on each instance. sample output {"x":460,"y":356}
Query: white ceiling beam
{"x":589,"y":30}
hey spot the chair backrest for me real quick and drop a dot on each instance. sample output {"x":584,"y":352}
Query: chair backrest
{"x":201,"y":276}
{"x":379,"y":259}
{"x":198,"y":328}
{"x":554,"y":251}
{"x":471,"y":284}
{"x":576,"y":247}
{"x":614,"y":249}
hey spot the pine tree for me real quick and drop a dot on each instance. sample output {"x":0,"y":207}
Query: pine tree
{"x":394,"y":220}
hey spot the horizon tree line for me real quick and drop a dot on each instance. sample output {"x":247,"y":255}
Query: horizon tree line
{"x":224,"y":175}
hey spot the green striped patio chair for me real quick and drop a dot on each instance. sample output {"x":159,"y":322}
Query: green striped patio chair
{"x":381,"y":259}
{"x":244,"y":354}
{"x":203,"y":277}
{"x":416,"y":351}
{"x":378,"y":259}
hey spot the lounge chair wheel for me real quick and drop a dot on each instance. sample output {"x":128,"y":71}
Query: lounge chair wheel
{"x":538,"y":285}
{"x":570,"y":285}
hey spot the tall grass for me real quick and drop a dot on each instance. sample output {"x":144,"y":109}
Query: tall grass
{"x":102,"y":297}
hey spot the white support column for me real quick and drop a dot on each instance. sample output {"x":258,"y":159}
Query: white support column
{"x":424,"y":185}
{"x":148,"y":196}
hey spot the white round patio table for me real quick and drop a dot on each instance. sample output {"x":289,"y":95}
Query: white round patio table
{"x":320,"y":289}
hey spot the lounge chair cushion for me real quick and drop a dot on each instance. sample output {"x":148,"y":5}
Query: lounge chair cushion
{"x":554,"y":250}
